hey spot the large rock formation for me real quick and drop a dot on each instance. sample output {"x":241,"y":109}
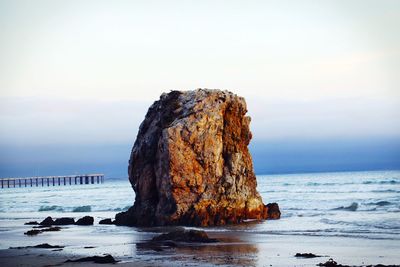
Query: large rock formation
{"x":190,"y":164}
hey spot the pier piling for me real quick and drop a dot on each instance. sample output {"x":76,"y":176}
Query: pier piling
{"x":54,"y":180}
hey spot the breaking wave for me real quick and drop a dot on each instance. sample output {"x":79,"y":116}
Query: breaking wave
{"x":352,"y":207}
{"x":50,"y":208}
{"x":382,"y":182}
{"x":120,"y":209}
{"x":381,"y":203}
{"x":385,"y":191}
{"x":82,"y":209}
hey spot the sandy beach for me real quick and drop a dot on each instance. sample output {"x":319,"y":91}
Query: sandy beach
{"x":132,"y":247}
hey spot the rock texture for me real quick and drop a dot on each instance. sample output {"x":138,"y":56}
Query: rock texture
{"x":190,"y":164}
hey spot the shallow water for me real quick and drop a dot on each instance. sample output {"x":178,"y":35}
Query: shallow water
{"x":363,"y":205}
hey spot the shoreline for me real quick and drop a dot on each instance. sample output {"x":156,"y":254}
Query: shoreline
{"x":234,"y":249}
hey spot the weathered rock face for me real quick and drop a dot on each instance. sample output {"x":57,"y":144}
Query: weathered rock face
{"x":190,"y":164}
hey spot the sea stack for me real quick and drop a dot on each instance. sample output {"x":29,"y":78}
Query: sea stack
{"x":190,"y":164}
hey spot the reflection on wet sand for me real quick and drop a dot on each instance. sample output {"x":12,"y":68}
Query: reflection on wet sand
{"x":228,"y":251}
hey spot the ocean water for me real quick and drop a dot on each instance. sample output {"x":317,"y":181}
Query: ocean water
{"x":364,"y":205}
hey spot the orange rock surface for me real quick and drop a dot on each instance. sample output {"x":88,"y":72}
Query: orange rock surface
{"x":190,"y":164}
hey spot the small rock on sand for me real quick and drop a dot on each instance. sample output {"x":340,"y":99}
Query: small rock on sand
{"x":106,"y":221}
{"x":87,"y":220}
{"x":47,"y":222}
{"x":64,"y":221}
{"x":273,"y":211}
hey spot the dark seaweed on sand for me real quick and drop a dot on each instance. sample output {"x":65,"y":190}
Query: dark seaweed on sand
{"x":306,"y":255}
{"x":44,"y":245}
{"x":37,"y":231}
{"x":332,"y":263}
{"x":96,"y":259}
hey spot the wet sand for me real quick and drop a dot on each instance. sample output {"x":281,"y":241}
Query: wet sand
{"x":131,"y":247}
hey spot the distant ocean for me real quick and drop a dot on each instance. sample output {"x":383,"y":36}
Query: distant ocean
{"x":363,"y":205}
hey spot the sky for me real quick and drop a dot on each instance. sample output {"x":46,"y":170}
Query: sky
{"x":321,"y":79}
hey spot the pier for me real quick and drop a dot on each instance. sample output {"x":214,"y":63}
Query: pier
{"x":96,"y":178}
